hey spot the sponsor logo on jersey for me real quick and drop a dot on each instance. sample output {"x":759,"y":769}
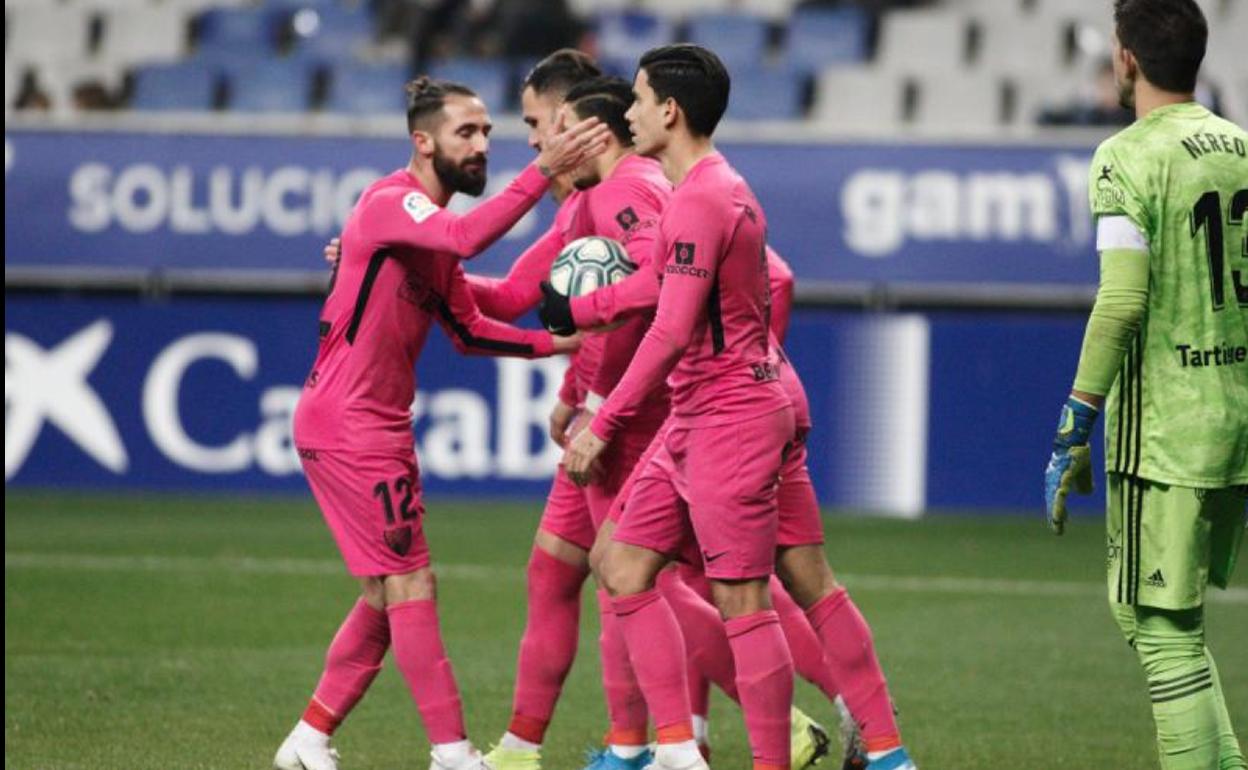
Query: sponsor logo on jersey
{"x":627,"y":219}
{"x":1156,"y":580}
{"x":1220,"y":355}
{"x":399,"y":540}
{"x":419,"y":207}
{"x":683,"y":262}
{"x":1108,"y":195}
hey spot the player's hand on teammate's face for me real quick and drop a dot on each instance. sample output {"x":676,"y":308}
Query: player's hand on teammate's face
{"x":573,"y":146}
{"x":333,"y":251}
{"x":560,"y":417}
{"x":580,"y":459}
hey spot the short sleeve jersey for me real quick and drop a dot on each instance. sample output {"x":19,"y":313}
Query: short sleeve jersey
{"x":1178,"y":410}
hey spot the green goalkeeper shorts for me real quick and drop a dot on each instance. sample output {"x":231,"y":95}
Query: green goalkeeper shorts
{"x":1166,"y":543}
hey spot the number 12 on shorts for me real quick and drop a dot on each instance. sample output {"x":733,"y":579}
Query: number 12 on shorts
{"x":402,"y":486}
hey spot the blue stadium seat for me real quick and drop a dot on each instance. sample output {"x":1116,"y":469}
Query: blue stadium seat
{"x":275,"y":86}
{"x":362,"y":89}
{"x":490,"y":78}
{"x":240,"y":29}
{"x":331,"y":32}
{"x":187,"y":87}
{"x":740,"y":39}
{"x":822,"y":37}
{"x":623,"y":36}
{"x":765,"y":95}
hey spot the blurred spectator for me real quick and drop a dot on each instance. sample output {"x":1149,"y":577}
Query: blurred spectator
{"x":31,"y":96}
{"x":1098,"y":107}
{"x":444,"y":29}
{"x":92,"y":95}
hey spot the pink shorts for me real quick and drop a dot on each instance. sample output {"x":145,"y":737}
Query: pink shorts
{"x":575,"y":513}
{"x":800,"y":520}
{"x":712,"y":489}
{"x":372,"y":504}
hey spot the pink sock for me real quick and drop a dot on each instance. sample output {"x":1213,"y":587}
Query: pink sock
{"x":351,"y":664}
{"x":765,"y":680}
{"x":804,"y":645}
{"x":706,"y":639}
{"x":549,"y":642}
{"x":626,"y":706}
{"x":850,"y":652}
{"x":656,"y":650}
{"x":418,"y":651}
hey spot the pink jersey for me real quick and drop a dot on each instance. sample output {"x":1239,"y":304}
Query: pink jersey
{"x":626,"y":207}
{"x":710,"y":331}
{"x":400,"y":271}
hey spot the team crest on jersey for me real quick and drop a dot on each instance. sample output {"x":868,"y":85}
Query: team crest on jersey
{"x":419,"y":207}
{"x":684,"y":253}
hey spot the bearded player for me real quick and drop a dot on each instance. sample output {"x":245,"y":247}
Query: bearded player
{"x":399,"y":273}
{"x":1165,"y":356}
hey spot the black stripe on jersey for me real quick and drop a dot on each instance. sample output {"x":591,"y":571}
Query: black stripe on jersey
{"x":1124,"y":501}
{"x":1205,"y":685}
{"x":366,"y":288}
{"x":1124,"y":414}
{"x":472,"y":341}
{"x":1179,"y":682}
{"x":715,"y":317}
{"x":1128,"y":538}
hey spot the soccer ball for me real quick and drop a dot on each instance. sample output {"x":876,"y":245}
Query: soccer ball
{"x":589,"y":263}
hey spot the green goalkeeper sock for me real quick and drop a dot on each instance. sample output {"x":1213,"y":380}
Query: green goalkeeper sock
{"x":1193,"y":730}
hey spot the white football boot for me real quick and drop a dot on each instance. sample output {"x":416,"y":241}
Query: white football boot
{"x":457,"y":756}
{"x":677,"y":756}
{"x":306,"y":748}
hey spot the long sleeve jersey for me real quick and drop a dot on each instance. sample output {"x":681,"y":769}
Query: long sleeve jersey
{"x":711,"y":326}
{"x":399,"y":273}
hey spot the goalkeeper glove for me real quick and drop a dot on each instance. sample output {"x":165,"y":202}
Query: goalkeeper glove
{"x":555,"y":312}
{"x":1070,"y":465}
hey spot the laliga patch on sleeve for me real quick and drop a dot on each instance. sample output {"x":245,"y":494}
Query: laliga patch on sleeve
{"x":1119,"y":232}
{"x":419,"y":207}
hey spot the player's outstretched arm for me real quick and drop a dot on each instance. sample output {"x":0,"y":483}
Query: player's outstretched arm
{"x":474,"y":334}
{"x":510,"y":297}
{"x":1120,"y":305}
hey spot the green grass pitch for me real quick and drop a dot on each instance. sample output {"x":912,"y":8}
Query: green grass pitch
{"x":174,"y":632}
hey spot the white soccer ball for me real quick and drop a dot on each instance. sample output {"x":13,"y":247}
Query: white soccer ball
{"x":589,"y":263}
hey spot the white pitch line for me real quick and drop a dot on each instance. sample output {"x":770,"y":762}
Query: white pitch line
{"x":938,"y":584}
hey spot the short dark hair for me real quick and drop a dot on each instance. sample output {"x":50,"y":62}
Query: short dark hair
{"x":1167,"y":38}
{"x":605,"y":98}
{"x":693,"y":76}
{"x":559,"y":71}
{"x":425,"y":98}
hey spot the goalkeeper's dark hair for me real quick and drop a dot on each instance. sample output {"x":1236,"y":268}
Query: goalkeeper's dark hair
{"x":606,"y":98}
{"x":560,"y":71}
{"x":1167,"y":37}
{"x":695,"y":78}
{"x":425,"y":98}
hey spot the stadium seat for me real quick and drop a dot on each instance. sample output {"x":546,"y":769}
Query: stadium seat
{"x":1037,"y":92}
{"x":819,"y":38}
{"x":275,"y":86}
{"x":759,"y":94}
{"x":1013,"y":45}
{"x":12,"y":84}
{"x":60,"y":81}
{"x":772,"y":10}
{"x":331,"y":32}
{"x":960,"y":104}
{"x":1080,"y":10}
{"x":490,"y":78}
{"x":679,"y":10}
{"x":739,"y":39}
{"x":367,"y":90}
{"x":923,"y":41}
{"x":239,"y":29}
{"x":624,"y":36}
{"x":858,"y":100}
{"x":178,"y":87}
{"x":46,"y":33}
{"x":154,"y":35}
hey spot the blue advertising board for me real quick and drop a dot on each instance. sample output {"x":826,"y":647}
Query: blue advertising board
{"x":911,"y":412}
{"x":839,"y":212}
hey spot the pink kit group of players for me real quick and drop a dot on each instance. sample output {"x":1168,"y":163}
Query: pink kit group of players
{"x":683,"y":488}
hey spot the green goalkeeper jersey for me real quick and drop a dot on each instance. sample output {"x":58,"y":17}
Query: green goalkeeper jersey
{"x":1178,"y":410}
